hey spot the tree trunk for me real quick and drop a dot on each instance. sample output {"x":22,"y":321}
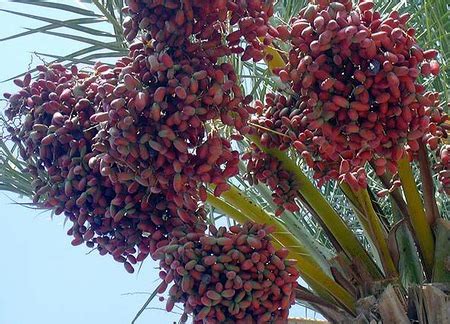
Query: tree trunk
{"x":425,"y":304}
{"x":430,"y":304}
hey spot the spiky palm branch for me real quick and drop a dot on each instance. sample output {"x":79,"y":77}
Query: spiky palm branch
{"x":350,"y":245}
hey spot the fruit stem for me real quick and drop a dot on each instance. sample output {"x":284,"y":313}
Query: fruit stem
{"x":276,"y":61}
{"x":442,"y":255}
{"x":228,"y":209}
{"x":310,"y":271}
{"x":351,"y":196}
{"x":319,"y":252}
{"x":375,"y":229}
{"x":359,"y":212}
{"x":329,"y":217}
{"x":396,"y":194}
{"x":431,"y":208}
{"x":418,"y":219}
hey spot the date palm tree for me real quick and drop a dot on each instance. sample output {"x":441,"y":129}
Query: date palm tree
{"x":362,"y":256}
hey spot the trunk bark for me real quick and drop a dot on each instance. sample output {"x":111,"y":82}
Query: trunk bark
{"x":430,"y":304}
{"x":425,"y":304}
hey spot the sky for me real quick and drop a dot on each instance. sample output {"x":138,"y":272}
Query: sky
{"x":43,"y":278}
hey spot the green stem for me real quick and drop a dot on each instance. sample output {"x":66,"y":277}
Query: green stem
{"x":357,"y":208}
{"x":295,"y":225}
{"x":418,"y":219}
{"x":362,"y":218}
{"x":409,"y":265}
{"x":329,"y":236}
{"x":396,"y":194}
{"x":276,"y":61}
{"x":372,"y":225}
{"x":228,"y":209}
{"x":429,"y":199}
{"x":376,"y":231}
{"x":441,"y":272}
{"x":329,"y":217}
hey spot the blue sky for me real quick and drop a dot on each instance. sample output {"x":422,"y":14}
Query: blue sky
{"x":43,"y":279}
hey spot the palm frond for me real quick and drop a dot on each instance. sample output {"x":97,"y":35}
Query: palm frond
{"x":104,"y":19}
{"x":12,"y":177}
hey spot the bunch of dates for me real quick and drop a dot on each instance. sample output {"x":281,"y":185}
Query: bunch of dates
{"x":228,"y":276}
{"x":352,"y":92}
